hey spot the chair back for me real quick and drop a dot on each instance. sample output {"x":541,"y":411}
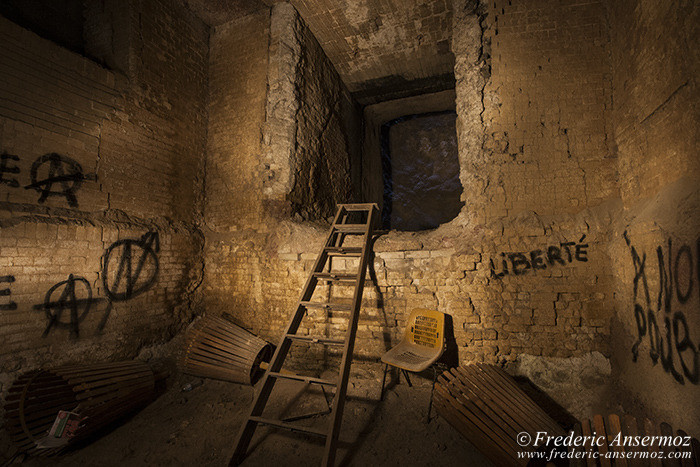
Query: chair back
{"x":426,"y":328}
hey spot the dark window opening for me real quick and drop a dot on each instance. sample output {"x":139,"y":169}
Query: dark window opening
{"x":60,"y":21}
{"x":420,"y":169}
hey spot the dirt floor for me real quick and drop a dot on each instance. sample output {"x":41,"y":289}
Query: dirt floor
{"x":199,"y":428}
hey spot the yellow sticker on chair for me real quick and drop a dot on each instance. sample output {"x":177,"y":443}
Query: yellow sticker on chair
{"x":426,"y":331}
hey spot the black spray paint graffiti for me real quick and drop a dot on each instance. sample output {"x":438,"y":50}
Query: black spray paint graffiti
{"x":50,"y":175}
{"x":676,"y":270}
{"x":520,"y":263}
{"x":130,"y":279}
{"x":9,"y":305}
{"x":5,"y":169}
{"x":68,"y":292}
{"x":136,"y":271}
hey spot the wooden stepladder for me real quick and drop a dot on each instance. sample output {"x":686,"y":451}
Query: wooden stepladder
{"x":333,"y":247}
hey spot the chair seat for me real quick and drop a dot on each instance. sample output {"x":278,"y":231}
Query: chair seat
{"x":411,"y":357}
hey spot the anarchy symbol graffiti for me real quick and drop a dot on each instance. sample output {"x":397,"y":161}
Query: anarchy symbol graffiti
{"x":67,"y":301}
{"x":136,"y":266}
{"x":62,"y":171}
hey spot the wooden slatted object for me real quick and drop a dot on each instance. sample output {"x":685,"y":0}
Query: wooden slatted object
{"x":612,"y":431}
{"x":217,"y":348}
{"x":103,"y":393}
{"x":488,"y":408}
{"x":350,"y":219}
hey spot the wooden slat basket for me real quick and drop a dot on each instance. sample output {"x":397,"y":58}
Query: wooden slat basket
{"x":100,"y":393}
{"x":217,"y":348}
{"x":488,"y":408}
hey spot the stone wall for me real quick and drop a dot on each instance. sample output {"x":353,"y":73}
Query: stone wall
{"x":100,"y":189}
{"x":655,"y":246}
{"x":238,"y":61}
{"x":217,"y":160}
{"x":312,"y":132}
{"x":524,"y":268}
{"x":293,"y":154}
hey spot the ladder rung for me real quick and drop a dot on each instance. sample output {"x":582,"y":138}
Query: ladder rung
{"x":347,"y":251}
{"x":335,"y":276}
{"x":289,"y":426}
{"x":316,"y":340}
{"x":351,"y":228}
{"x":328,"y":306}
{"x":306,"y":379}
{"x":357,"y":207}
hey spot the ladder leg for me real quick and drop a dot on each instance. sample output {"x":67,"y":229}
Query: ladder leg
{"x":339,"y":402}
{"x":335,"y":240}
{"x":245,"y":435}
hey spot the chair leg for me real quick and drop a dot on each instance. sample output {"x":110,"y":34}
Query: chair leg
{"x":408,"y":380}
{"x":432,"y":391}
{"x":381,"y":396}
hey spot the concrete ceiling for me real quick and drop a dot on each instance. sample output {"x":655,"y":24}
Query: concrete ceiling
{"x":382,"y":49}
{"x":385,"y":48}
{"x":216,"y":12}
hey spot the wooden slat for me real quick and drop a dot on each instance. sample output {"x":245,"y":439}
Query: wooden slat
{"x":450,"y":410}
{"x":577,"y":462}
{"x":666,"y":430}
{"x":103,"y":391}
{"x":515,"y":405}
{"x":614,"y":428}
{"x":652,"y":429}
{"x":685,"y":462}
{"x":481,"y":419}
{"x":507,"y":383}
{"x":486,"y":405}
{"x":488,"y":399}
{"x":603,"y":448}
{"x":480,"y":435}
{"x":590,"y":448}
{"x":217,"y":348}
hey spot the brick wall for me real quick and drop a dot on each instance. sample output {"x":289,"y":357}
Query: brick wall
{"x":655,"y":244}
{"x":508,"y":269}
{"x":545,"y":110}
{"x":524,"y":268}
{"x":100,"y":171}
{"x":532,"y":269}
{"x":238,"y":63}
{"x":312,"y":129}
{"x":283,"y":143}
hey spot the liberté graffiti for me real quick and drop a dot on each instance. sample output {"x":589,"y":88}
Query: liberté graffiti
{"x":519,"y":263}
{"x":660,"y":315}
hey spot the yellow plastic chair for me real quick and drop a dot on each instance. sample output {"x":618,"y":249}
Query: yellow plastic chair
{"x":422,"y":345}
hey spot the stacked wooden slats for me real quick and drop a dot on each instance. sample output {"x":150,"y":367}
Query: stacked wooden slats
{"x":627,"y":426}
{"x":487,"y":407}
{"x":217,"y":348}
{"x":102,"y":393}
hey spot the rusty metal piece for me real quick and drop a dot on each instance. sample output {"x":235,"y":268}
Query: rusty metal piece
{"x":217,"y":348}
